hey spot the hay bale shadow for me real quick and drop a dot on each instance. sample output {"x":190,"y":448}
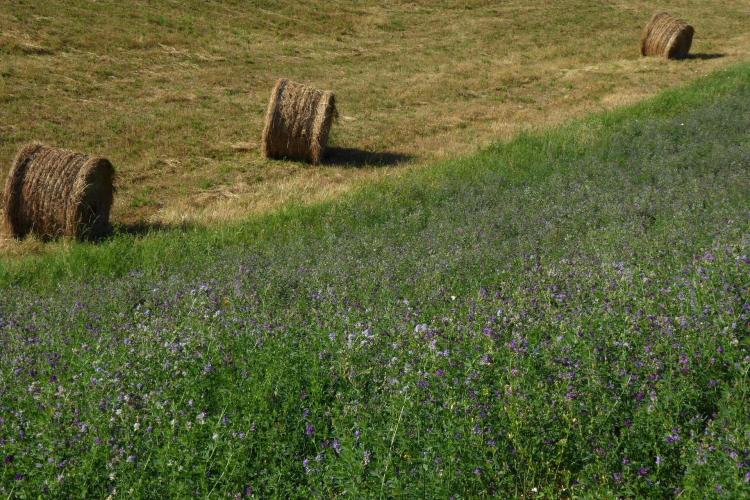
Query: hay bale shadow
{"x":358,"y":158}
{"x":705,"y":57}
{"x":142,"y":228}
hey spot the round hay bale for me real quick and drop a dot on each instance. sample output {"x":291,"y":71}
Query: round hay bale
{"x":298,"y":121}
{"x":55,"y":192}
{"x":667,"y":36}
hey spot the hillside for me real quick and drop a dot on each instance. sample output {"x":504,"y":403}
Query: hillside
{"x":174,"y":92}
{"x":562,"y":315}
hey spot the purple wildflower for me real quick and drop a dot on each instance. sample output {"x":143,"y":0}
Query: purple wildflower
{"x":674,"y":437}
{"x":571,"y":394}
{"x":309,"y":430}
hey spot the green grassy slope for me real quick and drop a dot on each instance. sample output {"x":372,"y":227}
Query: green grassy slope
{"x":566,"y":314}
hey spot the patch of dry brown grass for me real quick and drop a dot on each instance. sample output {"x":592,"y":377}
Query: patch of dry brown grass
{"x":174,"y":93}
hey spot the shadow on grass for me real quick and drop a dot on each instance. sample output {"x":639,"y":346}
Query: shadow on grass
{"x":355,"y":158}
{"x":705,"y":57}
{"x":144,"y":228}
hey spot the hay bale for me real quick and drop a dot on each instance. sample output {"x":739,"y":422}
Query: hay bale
{"x":298,"y":120}
{"x":54,"y":192}
{"x":667,"y":36}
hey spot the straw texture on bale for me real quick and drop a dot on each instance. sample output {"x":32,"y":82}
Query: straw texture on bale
{"x":298,"y":121}
{"x":54,"y":192}
{"x":667,"y":36}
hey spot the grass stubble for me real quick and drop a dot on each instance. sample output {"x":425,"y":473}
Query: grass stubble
{"x":174,"y":94}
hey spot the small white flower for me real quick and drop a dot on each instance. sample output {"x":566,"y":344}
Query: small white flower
{"x":136,"y":426}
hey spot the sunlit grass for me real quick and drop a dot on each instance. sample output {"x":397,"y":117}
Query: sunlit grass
{"x":167,"y":89}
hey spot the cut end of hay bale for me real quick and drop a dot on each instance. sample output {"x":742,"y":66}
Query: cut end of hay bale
{"x":298,"y":121}
{"x":54,"y":192}
{"x":666,"y":36}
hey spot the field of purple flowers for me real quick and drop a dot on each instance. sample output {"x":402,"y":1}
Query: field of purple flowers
{"x":565,"y":315}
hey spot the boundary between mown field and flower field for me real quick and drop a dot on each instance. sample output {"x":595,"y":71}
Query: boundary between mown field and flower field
{"x":529,"y":156}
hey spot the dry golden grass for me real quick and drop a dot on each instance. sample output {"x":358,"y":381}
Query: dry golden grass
{"x":174,"y":93}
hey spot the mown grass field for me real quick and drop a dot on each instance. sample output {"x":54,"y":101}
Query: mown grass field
{"x":174,"y":92}
{"x":563,"y":315}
